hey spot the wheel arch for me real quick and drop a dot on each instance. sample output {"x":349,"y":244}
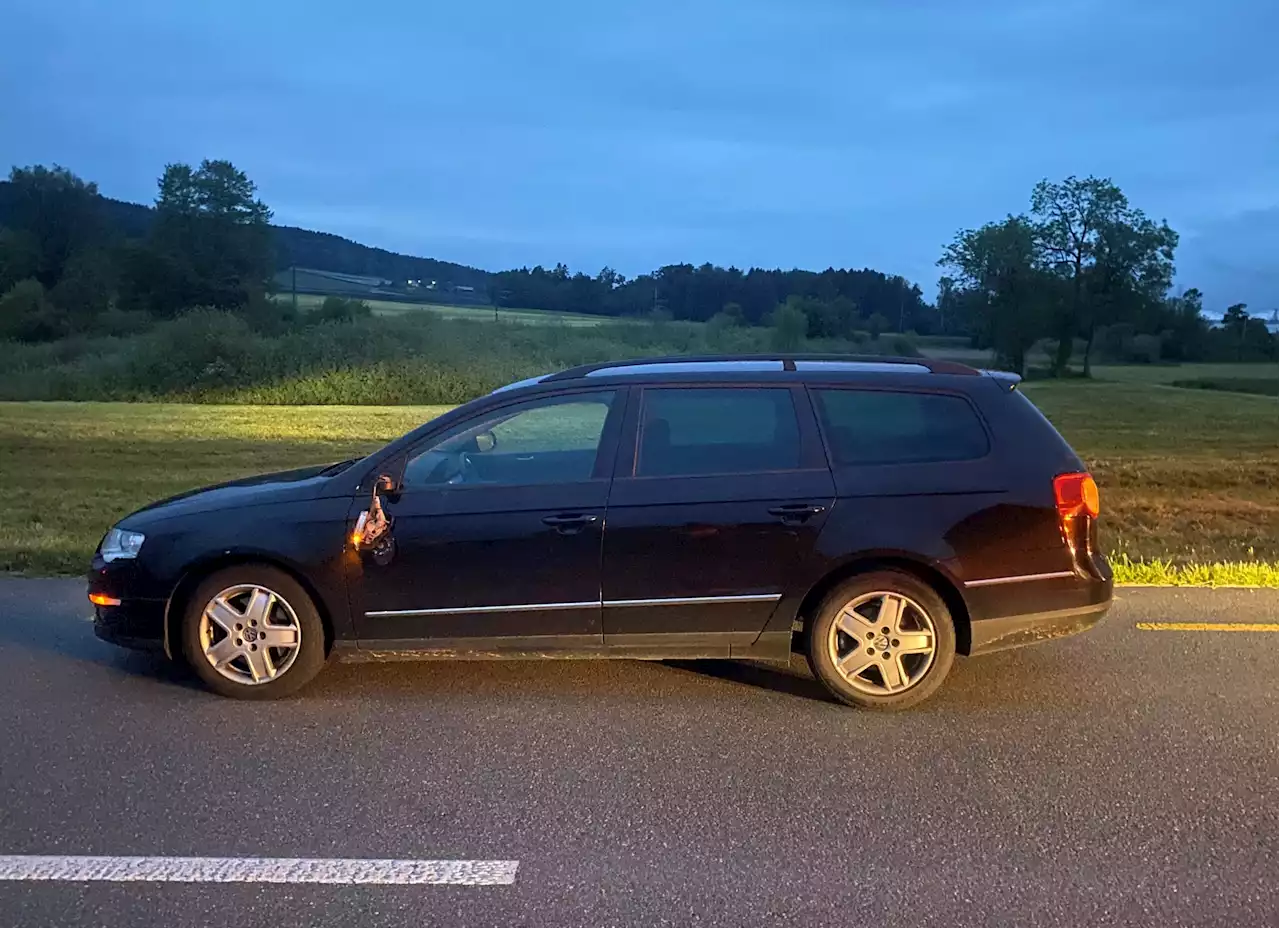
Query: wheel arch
{"x":945,"y":587}
{"x":195,"y":573}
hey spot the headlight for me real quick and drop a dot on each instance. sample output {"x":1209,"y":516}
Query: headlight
{"x":121,"y":545}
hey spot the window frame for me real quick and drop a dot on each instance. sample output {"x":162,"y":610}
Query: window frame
{"x":812,"y":390}
{"x":812,"y":456}
{"x":601,"y":469}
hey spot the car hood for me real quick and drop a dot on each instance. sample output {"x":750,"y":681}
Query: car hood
{"x":277,"y":487}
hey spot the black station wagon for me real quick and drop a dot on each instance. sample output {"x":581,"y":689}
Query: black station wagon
{"x":877,"y":515}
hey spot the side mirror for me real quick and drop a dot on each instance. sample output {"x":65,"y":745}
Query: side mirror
{"x":373,"y":528}
{"x":486,"y":441}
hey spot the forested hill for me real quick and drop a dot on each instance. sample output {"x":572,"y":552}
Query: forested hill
{"x":294,"y":246}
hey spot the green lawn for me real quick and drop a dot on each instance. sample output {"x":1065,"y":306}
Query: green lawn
{"x":1168,"y":373}
{"x":1186,"y":475}
{"x":308,"y":301}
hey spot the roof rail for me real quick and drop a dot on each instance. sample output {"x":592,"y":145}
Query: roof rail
{"x":788,"y":361}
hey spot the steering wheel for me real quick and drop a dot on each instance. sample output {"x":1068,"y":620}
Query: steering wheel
{"x":465,"y":473}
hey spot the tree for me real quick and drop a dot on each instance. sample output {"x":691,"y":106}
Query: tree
{"x":86,"y":288}
{"x":58,"y":213}
{"x":18,"y":257}
{"x":210,"y":244}
{"x":26,"y":314}
{"x":876,"y":324}
{"x":1111,"y":254}
{"x":1235,"y":321}
{"x":789,"y":327}
{"x":1131,"y":273}
{"x":1009,"y":294}
{"x":1186,"y":327}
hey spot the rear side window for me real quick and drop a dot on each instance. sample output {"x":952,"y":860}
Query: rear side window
{"x":691,"y":432}
{"x":880,"y":427}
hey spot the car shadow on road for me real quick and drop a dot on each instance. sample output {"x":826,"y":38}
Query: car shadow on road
{"x":73,"y":640}
{"x":779,"y":678}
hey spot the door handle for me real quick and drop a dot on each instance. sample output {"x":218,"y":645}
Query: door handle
{"x":797,"y":512}
{"x":569,"y":523}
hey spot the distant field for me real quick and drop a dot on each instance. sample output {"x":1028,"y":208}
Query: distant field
{"x":1186,"y":475}
{"x":1168,"y":373}
{"x":484,"y":313}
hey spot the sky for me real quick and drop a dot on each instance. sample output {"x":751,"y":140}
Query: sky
{"x":776,"y":133}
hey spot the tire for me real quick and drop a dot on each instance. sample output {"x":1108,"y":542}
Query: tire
{"x":884,"y":672}
{"x":250,"y":605}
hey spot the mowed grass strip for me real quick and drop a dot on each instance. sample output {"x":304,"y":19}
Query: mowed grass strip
{"x":1188,"y":477}
{"x":309,"y":301}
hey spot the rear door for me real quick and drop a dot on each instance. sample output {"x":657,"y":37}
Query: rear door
{"x":722,"y":494}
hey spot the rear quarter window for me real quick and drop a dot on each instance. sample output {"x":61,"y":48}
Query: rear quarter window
{"x":884,"y":427}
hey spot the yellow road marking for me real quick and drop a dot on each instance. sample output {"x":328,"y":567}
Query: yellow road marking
{"x":1208,"y":627}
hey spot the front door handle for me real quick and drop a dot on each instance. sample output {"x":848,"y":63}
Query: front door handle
{"x":570,"y":523}
{"x":797,"y":512}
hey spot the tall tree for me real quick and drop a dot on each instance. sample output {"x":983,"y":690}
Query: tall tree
{"x":1010,"y":293}
{"x":1082,"y":222}
{"x":210,"y":244}
{"x":56,"y":213}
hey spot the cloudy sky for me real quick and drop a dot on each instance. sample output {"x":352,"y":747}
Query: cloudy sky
{"x":751,"y":132}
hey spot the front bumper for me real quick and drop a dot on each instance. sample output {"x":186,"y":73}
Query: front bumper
{"x":138,"y":625}
{"x":131,"y":620}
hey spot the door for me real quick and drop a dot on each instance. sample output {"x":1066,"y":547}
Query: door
{"x":712,"y":510}
{"x":496,"y":530}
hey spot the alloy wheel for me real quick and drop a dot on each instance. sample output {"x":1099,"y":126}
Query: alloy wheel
{"x":882,"y":643}
{"x":249,"y":634}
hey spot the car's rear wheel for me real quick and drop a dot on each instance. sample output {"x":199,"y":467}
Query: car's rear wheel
{"x":882,"y":640}
{"x":252,"y":632}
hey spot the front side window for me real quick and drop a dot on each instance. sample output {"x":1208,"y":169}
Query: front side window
{"x":704,"y":431}
{"x":552,"y":440}
{"x":882,"y":427}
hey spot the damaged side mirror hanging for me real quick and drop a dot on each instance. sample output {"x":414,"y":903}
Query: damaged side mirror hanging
{"x":373,"y":527}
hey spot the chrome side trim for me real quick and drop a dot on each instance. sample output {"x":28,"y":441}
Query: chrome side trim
{"x":546,"y":607}
{"x":469,"y":610}
{"x":1024,"y":578}
{"x":696,"y":600}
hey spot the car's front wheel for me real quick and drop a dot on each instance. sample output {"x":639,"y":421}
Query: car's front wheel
{"x":882,"y":640}
{"x":252,"y":632}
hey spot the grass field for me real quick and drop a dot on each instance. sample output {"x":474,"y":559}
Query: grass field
{"x":308,"y":301}
{"x":1168,"y":373}
{"x":1187,"y":476}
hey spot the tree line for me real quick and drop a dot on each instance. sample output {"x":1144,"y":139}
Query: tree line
{"x":1084,"y":264}
{"x":1081,"y":270}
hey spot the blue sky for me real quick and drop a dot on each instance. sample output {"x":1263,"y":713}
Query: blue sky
{"x":751,"y":132}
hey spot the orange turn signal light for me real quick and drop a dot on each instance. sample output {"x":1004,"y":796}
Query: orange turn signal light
{"x":1076,"y":493}
{"x":102,"y":599}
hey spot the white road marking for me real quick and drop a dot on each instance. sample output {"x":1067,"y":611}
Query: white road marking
{"x":258,"y":870}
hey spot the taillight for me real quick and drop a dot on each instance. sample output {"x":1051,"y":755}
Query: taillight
{"x":1076,"y":494}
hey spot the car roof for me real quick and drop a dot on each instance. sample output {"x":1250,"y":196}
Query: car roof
{"x":787,"y":367}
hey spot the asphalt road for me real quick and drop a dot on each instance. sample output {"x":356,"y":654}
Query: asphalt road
{"x":1120,"y":777}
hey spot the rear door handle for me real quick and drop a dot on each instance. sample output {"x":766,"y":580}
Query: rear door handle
{"x":569,"y":523}
{"x":797,"y":512}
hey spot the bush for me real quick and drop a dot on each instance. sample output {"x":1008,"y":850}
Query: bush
{"x":1144,"y":349}
{"x":339,"y":309}
{"x":122,"y":322}
{"x":418,"y":357}
{"x":27,"y":315}
{"x":200,"y":350}
{"x":876,"y":324}
{"x":789,"y":327}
